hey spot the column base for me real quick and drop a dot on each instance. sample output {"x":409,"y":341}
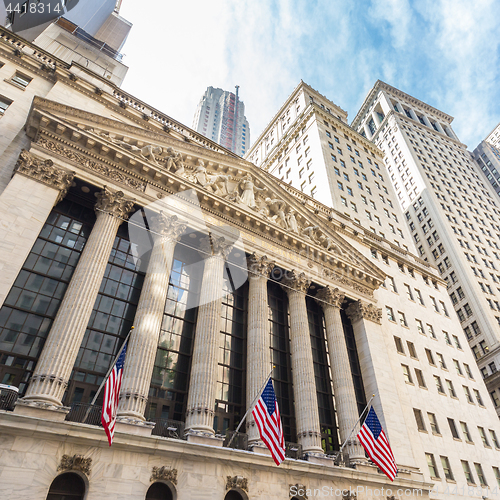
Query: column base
{"x":260,"y":449}
{"x":134,"y":426}
{"x":199,"y":437}
{"x":44,"y":411}
{"x":319,"y":459}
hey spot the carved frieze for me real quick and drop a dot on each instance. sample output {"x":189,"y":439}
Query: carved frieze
{"x":75,"y":462}
{"x":114,"y":203}
{"x":330,"y":296}
{"x":237,"y":482}
{"x":164,"y":474}
{"x":361,"y":310}
{"x":108,"y":172}
{"x":347,"y":282}
{"x":44,"y":171}
{"x":168,"y":226}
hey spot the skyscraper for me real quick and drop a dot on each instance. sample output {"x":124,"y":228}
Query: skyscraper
{"x":220,"y":116}
{"x":452,"y":213}
{"x":487,"y":156}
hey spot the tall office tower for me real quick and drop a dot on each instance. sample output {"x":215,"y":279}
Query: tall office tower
{"x":318,"y":157}
{"x":309,"y":145}
{"x":487,"y":156}
{"x":452,"y":214}
{"x":220,"y":116}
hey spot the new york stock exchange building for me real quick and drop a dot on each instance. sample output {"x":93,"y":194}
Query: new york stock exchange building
{"x":113,"y":216}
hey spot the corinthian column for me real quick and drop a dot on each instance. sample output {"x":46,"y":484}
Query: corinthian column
{"x":53,"y":369}
{"x":258,"y":349}
{"x":203,"y":380}
{"x":304,"y":384}
{"x":330,"y":300}
{"x":141,"y":351}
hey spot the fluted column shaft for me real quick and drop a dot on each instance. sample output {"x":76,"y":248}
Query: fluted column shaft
{"x":141,"y":352}
{"x":203,"y":379}
{"x":258,"y":348}
{"x":343,"y":387}
{"x":304,"y":383}
{"x":59,"y":353}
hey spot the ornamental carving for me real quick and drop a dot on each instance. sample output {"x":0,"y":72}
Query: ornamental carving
{"x":168,"y":226}
{"x":237,"y":482}
{"x":298,"y":491}
{"x":44,"y":171}
{"x":164,"y":474}
{"x":297,"y":282}
{"x":108,"y":172}
{"x":75,"y":462}
{"x":114,"y":203}
{"x":362,"y":310}
{"x":349,"y":495}
{"x":330,"y":296}
{"x":215,"y":246}
{"x":259,"y":266}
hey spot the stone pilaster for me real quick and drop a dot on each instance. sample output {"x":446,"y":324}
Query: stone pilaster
{"x":141,"y":351}
{"x":53,"y":369}
{"x":330,"y":300}
{"x":25,"y":204}
{"x":203,"y":380}
{"x":304,"y":385}
{"x":258,"y":348}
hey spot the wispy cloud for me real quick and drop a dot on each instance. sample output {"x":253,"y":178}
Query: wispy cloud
{"x":444,"y":52}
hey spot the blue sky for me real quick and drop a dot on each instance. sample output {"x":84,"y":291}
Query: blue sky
{"x":444,"y":52}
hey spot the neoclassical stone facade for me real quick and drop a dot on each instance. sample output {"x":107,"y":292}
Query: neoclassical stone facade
{"x":227,"y":275}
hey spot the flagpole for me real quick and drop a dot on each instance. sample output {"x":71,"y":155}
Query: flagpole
{"x":107,"y":374}
{"x":360,"y":417}
{"x":251,"y":406}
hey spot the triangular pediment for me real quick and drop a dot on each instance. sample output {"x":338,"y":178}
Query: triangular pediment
{"x":153,"y":161}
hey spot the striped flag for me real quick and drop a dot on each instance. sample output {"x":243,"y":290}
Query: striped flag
{"x":374,"y":441}
{"x":267,"y":417}
{"x":111,"y":395}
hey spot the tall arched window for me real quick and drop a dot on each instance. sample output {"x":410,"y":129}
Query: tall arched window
{"x":68,"y":486}
{"x":159,"y":491}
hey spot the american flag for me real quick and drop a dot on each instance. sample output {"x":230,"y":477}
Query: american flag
{"x":267,"y":417}
{"x":374,"y":441}
{"x":111,"y":395}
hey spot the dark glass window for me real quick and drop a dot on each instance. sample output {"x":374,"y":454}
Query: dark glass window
{"x":68,"y":486}
{"x":110,"y":321}
{"x":280,"y":351}
{"x":230,"y":398}
{"x":354,"y":362}
{"x":170,"y":381}
{"x":32,"y":303}
{"x":329,"y":432}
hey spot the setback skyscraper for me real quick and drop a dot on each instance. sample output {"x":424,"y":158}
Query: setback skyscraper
{"x":220,"y":116}
{"x":452,"y":213}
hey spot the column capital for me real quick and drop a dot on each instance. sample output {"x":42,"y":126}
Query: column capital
{"x":215,"y":246}
{"x":362,"y":310}
{"x":114,"y":203}
{"x":297,"y":282}
{"x":168,"y":226}
{"x":44,"y":171}
{"x":329,"y":296}
{"x":259,"y":266}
